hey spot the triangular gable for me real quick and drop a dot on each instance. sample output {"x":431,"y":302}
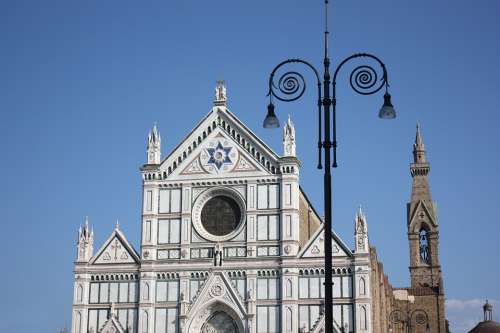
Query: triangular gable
{"x":112,"y":325}
{"x":191,"y":157}
{"x":116,"y":250}
{"x":219,"y":154}
{"x":422,"y":208}
{"x":218,"y":288}
{"x":315,"y":246}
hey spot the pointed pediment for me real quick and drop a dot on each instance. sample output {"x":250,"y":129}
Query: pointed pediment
{"x":112,"y":325}
{"x":218,"y":288}
{"x":422,"y":213}
{"x":219,"y":144}
{"x":315,"y":246}
{"x":116,"y":250}
{"x":219,"y":155}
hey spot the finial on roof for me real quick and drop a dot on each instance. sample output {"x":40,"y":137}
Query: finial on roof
{"x":117,"y":226}
{"x":418,"y":137}
{"x":419,"y":147}
{"x":220,"y":94}
{"x":360,"y":210}
{"x":488,"y":311}
{"x":289,"y":147}
{"x":154,"y":146}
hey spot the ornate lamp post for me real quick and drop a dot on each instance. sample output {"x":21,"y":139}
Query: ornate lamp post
{"x":406,"y":318}
{"x":290,"y":86}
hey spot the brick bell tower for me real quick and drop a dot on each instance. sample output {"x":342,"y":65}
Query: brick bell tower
{"x":423,"y":229}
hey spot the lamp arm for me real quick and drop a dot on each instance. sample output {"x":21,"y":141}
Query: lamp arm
{"x":290,"y":86}
{"x":363,"y":80}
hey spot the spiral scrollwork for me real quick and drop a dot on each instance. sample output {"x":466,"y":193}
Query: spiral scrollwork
{"x":364,"y":80}
{"x":291,"y":86}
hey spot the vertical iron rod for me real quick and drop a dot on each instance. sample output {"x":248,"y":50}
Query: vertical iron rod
{"x":327,"y":186}
{"x":320,"y":136}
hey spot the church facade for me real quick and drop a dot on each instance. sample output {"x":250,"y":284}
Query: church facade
{"x":231,"y":243}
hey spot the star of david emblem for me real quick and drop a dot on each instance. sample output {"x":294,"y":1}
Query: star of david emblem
{"x":219,"y":155}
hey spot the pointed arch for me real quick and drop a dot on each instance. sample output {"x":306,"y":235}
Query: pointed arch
{"x":196,"y":322}
{"x":145,"y":291}
{"x":289,"y":319}
{"x":79,"y":293}
{"x":424,"y":245}
{"x":363,"y":320}
{"x":78,"y":322}
{"x":289,"y":288}
{"x":144,"y":319}
{"x":362,"y":286}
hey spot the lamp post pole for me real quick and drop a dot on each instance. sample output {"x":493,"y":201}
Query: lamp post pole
{"x":290,"y":86}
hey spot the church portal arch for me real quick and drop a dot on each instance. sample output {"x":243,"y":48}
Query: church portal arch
{"x":216,"y":316}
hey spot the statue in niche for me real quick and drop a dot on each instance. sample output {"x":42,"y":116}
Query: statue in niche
{"x":424,"y":246}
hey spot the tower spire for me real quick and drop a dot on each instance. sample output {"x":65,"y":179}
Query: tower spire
{"x":85,"y":244}
{"x":419,"y":170}
{"x":423,"y":229}
{"x":361,"y":232}
{"x":154,"y":146}
{"x":289,"y":148}
{"x":419,"y":148}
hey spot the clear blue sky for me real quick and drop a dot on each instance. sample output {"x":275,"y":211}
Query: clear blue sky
{"x":83,"y":81}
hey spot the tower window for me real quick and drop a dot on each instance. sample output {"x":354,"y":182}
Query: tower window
{"x":424,"y":246}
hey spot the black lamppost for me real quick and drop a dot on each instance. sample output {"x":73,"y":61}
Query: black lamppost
{"x":406,"y":319}
{"x":290,"y":86}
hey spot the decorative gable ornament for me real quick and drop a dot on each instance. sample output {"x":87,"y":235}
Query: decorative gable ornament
{"x":219,"y":156}
{"x":112,"y":325}
{"x":116,"y":250}
{"x":315,"y":247}
{"x":421,"y":213}
{"x":217,"y":295}
{"x":194,"y":167}
{"x":219,"y":144}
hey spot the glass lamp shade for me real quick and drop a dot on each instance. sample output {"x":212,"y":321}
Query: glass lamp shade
{"x":271,"y":120}
{"x":387,"y":110}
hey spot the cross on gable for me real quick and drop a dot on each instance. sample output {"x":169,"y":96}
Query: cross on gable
{"x":117,"y":246}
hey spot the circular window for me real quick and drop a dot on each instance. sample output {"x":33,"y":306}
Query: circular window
{"x":220,"y":215}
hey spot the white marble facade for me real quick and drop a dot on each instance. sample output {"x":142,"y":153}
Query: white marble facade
{"x":256,"y":271}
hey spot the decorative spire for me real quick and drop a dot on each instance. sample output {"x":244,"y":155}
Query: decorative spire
{"x":220,"y":94}
{"x":419,"y":148}
{"x":117,"y":225}
{"x":85,"y":244}
{"x":360,"y":221}
{"x":360,"y":232}
{"x":419,"y":167}
{"x":154,"y":146}
{"x":289,"y":147}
